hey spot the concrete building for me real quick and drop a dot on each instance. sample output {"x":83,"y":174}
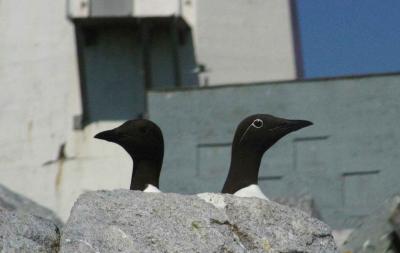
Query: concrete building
{"x":138,"y":45}
{"x":72,"y":70}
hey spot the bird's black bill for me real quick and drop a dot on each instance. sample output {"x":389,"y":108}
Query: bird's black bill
{"x":108,"y":135}
{"x":294,"y":125}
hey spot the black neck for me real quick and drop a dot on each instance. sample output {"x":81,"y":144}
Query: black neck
{"x":243,"y":170}
{"x":145,"y":172}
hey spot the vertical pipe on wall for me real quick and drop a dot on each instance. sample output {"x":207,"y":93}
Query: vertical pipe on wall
{"x":80,"y":44}
{"x":296,"y":39}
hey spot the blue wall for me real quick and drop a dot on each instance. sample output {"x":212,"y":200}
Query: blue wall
{"x":348,"y":161}
{"x":345,"y":37}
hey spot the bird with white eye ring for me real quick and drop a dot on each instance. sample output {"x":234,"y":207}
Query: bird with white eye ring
{"x":258,"y":123}
{"x":253,"y":137}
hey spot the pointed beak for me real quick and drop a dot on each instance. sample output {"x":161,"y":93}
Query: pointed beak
{"x":294,"y":125}
{"x":108,"y":135}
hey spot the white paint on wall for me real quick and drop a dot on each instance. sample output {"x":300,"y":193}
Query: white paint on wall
{"x":78,"y":8}
{"x":91,"y":164}
{"x":38,"y":77}
{"x":244,"y":41}
{"x":189,"y":12}
{"x":156,"y":8}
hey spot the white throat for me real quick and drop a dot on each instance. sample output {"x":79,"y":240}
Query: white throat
{"x":151,"y":188}
{"x":252,"y":190}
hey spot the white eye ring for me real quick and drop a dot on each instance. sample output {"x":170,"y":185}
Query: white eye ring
{"x":258,"y":123}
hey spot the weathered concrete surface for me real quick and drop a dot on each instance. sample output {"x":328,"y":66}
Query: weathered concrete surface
{"x":39,"y":87}
{"x":376,"y":234}
{"x":244,"y":41}
{"x":23,"y":232}
{"x":12,"y":201}
{"x":128,"y":221}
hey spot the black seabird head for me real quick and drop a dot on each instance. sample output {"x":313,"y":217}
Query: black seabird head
{"x":141,"y":138}
{"x":259,"y":132}
{"x":253,"y":136}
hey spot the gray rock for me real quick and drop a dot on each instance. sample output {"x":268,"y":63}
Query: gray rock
{"x":341,"y":235}
{"x":131,"y":221}
{"x":23,"y":232}
{"x":376,"y":233}
{"x":304,"y":203}
{"x":12,"y":201}
{"x":395,"y":220}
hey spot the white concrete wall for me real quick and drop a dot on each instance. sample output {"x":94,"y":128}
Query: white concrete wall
{"x":156,"y":8}
{"x":91,"y":164}
{"x":244,"y":40}
{"x":38,"y":76}
{"x":39,"y":96}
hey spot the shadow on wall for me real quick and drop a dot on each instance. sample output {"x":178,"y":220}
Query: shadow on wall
{"x":120,"y":60}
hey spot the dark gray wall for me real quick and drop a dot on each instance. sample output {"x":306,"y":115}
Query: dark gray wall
{"x":349,"y":160}
{"x":113,"y":70}
{"x":114,"y":85}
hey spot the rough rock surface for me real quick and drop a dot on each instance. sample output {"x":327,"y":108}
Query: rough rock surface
{"x":303,"y":202}
{"x":395,"y":220}
{"x":23,"y":232}
{"x":376,"y":233}
{"x":341,"y":235}
{"x":131,"y":221}
{"x":12,"y":201}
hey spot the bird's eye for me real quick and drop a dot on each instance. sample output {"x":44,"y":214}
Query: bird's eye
{"x":258,"y":123}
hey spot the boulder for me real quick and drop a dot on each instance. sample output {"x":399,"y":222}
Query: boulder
{"x":12,"y":201}
{"x":132,"y":221}
{"x":395,"y":220}
{"x":376,"y":234}
{"x":23,"y":232}
{"x":302,"y":202}
{"x":341,"y":236}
